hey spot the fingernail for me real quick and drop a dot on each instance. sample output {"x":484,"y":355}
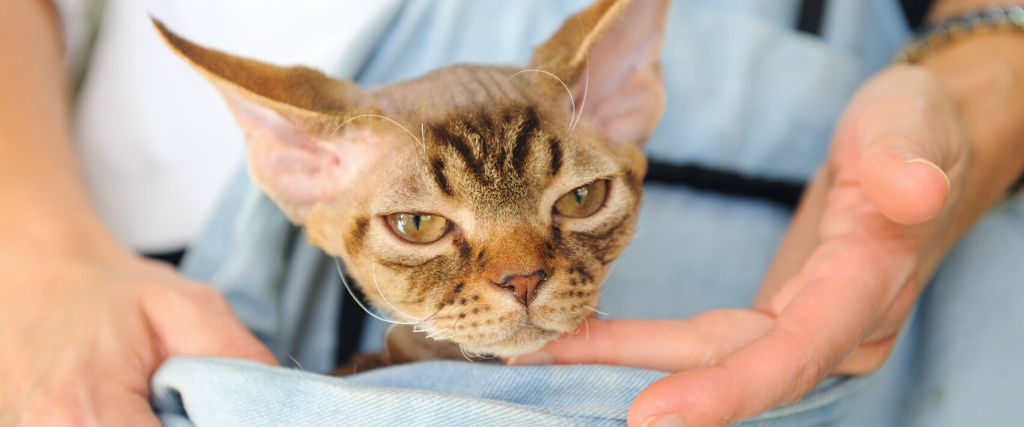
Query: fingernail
{"x":907,"y":157}
{"x":538,"y":358}
{"x":663,"y":421}
{"x":910,"y":158}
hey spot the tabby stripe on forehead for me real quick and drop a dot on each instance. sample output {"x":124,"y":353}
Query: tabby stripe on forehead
{"x":555,"y":147}
{"x":437,"y":167}
{"x":521,"y":148}
{"x":461,"y":144}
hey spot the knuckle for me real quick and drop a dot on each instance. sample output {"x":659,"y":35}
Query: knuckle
{"x":57,"y":409}
{"x":867,"y":358}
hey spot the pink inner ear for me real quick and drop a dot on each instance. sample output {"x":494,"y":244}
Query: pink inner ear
{"x":286,"y":162}
{"x":623,"y":80}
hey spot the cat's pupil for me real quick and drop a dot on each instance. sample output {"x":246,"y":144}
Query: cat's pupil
{"x":581,"y":193}
{"x":416,"y":219}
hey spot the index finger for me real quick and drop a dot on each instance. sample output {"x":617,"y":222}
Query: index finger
{"x":664,"y":345}
{"x":841,"y":300}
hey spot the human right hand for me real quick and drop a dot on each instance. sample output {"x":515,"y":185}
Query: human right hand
{"x":918,"y":157}
{"x":80,"y":336}
{"x":83,"y":322}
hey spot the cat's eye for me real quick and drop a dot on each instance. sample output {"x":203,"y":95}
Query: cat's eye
{"x":583,"y":201}
{"x":418,"y":228}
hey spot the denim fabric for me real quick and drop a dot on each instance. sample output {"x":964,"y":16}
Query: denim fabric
{"x":441,"y":393}
{"x":746,"y":93}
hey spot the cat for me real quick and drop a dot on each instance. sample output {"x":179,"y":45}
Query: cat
{"x":486,"y":217}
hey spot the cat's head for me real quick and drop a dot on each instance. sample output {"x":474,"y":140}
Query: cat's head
{"x":484,"y":203}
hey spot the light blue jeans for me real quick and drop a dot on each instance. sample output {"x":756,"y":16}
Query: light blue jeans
{"x":746,"y":93}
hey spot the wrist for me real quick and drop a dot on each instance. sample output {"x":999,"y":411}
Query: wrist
{"x":984,"y":74}
{"x":57,"y":231}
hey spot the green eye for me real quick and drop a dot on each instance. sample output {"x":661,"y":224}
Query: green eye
{"x":418,"y":228}
{"x":583,"y":201}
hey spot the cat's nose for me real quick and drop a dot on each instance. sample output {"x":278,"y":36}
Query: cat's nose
{"x":524,"y":287}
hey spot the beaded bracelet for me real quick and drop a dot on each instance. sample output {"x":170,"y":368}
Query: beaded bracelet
{"x":999,"y":18}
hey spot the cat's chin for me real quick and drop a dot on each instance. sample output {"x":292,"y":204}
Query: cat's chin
{"x":525,"y":340}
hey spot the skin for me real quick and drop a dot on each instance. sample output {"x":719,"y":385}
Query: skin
{"x":85,"y":321}
{"x":77,"y":308}
{"x":918,"y":157}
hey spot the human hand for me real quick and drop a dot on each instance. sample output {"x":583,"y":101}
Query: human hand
{"x":903,"y":182}
{"x":81,"y":336}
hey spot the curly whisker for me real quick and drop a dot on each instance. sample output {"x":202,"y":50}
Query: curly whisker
{"x":380,"y":117}
{"x":571,"y":100}
{"x":353,"y":294}
{"x":373,"y":272}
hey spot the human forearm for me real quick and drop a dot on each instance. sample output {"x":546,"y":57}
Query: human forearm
{"x":43,"y":200}
{"x":983,"y":71}
{"x":985,"y":75}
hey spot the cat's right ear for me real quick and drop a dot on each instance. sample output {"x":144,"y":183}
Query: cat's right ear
{"x":285,"y":113}
{"x":608,"y":57}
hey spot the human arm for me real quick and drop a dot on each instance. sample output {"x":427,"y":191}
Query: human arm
{"x":84,"y":322}
{"x":868,"y":236}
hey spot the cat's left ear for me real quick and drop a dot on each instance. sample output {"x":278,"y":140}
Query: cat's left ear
{"x":286,"y":113}
{"x":608,"y":56}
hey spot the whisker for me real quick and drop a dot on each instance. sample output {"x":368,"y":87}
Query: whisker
{"x":571,"y":99}
{"x":380,"y":117}
{"x":428,"y":329}
{"x":564,"y":337}
{"x":431,"y":317}
{"x":586,"y":323}
{"x":447,"y":337}
{"x":373,"y":271}
{"x":595,"y":310}
{"x":393,"y":91}
{"x":296,"y":363}
{"x":353,"y":294}
{"x":434,"y":334}
{"x":586,"y":82}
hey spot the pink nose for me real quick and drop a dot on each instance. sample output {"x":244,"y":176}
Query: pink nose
{"x":524,"y":287}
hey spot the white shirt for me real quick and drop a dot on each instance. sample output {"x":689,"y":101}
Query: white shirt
{"x":155,"y":141}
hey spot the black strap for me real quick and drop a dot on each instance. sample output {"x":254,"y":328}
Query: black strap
{"x":809,"y":20}
{"x":350,"y":325}
{"x":915,"y":12}
{"x":783,"y":192}
{"x":812,"y":11}
{"x":172,"y":257}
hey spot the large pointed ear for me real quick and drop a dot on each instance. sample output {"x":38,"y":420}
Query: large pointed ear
{"x":285,"y":113}
{"x":608,"y":56}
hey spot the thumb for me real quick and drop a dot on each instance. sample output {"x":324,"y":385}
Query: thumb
{"x":196,"y":320}
{"x":901,"y":177}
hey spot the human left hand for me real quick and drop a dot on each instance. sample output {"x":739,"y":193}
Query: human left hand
{"x":905,"y":179}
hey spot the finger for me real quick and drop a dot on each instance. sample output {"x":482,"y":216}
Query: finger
{"x":819,"y":327}
{"x":664,"y":345}
{"x":195,"y":320}
{"x":117,"y":407}
{"x":872,"y":353}
{"x":867,"y":357}
{"x":800,"y":241}
{"x":900,"y":176}
{"x":78,"y":405}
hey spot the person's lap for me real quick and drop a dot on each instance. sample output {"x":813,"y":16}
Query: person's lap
{"x":693,"y":251}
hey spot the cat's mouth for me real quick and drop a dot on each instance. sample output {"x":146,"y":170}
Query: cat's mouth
{"x":527,"y":334}
{"x":517,"y":316}
{"x":523,"y":340}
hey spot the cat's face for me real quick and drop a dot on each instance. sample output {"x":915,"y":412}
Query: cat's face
{"x":510,"y":251}
{"x":482,"y":203}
